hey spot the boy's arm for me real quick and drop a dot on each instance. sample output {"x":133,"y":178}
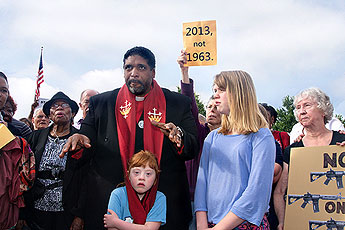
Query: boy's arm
{"x":122,"y":225}
{"x":113,"y":222}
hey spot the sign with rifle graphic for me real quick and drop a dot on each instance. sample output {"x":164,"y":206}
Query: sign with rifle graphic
{"x":316,"y":194}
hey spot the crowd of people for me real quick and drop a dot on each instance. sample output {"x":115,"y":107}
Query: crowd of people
{"x":142,"y":158}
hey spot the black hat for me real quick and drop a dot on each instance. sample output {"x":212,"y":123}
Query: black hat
{"x":60,"y":96}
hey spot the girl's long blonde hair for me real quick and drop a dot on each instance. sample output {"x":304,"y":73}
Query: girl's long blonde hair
{"x":245,"y":116}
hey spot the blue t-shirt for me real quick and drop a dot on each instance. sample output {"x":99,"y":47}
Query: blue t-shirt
{"x":118,"y":202}
{"x":235,"y":174}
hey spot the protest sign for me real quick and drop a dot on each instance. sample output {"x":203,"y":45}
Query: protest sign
{"x":41,"y":102}
{"x":6,"y":136}
{"x":200,"y":43}
{"x":316,"y":194}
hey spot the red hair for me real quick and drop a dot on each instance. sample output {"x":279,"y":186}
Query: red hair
{"x":141,"y":159}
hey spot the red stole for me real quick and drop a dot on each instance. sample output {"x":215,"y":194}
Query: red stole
{"x":125,"y":113}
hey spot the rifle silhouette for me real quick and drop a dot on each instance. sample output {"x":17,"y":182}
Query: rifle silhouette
{"x":312,"y":199}
{"x":330,"y":224}
{"x":330,"y":175}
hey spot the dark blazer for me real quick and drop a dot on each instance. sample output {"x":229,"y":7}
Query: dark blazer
{"x":72,"y":175}
{"x":106,"y":165}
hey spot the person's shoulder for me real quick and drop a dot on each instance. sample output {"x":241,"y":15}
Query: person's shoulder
{"x":105,"y":95}
{"x":284,"y":134}
{"x":16,"y":122}
{"x":338,"y":136}
{"x":174,"y":95}
{"x":19,"y":124}
{"x":36,"y":134}
{"x":39,"y":131}
{"x":160,"y":199}
{"x":296,"y":144}
{"x":160,"y":195}
{"x":119,"y":191}
{"x":275,"y":132}
{"x":177,"y":100}
{"x":213,"y":136}
{"x":263,"y":132}
{"x":104,"y":99}
{"x":74,"y":130}
{"x":168,"y":92}
{"x":214,"y":133}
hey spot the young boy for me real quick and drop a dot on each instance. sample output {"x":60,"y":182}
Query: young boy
{"x":142,"y":173}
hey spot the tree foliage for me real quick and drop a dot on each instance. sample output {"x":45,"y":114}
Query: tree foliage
{"x":341,"y":118}
{"x":200,"y":105}
{"x":286,"y":118}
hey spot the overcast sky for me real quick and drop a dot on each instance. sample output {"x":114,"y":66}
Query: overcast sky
{"x":286,"y":46}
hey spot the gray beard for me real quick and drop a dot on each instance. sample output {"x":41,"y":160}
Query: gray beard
{"x":136,"y":91}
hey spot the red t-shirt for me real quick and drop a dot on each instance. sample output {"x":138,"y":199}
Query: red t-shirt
{"x":283,"y":139}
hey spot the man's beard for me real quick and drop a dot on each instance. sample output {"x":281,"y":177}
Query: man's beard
{"x":136,"y":90}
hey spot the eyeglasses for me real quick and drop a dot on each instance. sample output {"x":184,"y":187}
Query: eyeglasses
{"x":63,"y":105}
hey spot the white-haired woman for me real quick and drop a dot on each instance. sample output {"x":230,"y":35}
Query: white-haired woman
{"x":313,"y":109}
{"x":237,"y":161}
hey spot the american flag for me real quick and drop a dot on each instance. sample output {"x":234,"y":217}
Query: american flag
{"x":40,"y":76}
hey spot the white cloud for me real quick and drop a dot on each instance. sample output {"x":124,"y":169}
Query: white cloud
{"x":286,"y":46}
{"x":100,"y":80}
{"x":23,"y":92}
{"x":287,"y":34}
{"x":23,"y":89}
{"x":337,"y":92}
{"x":85,"y":25}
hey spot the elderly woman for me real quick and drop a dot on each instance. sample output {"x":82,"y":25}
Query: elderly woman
{"x":53,"y":200}
{"x":313,"y":110}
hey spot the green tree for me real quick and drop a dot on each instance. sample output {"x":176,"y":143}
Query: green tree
{"x":341,"y":118}
{"x":286,"y":118}
{"x":200,"y":105}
